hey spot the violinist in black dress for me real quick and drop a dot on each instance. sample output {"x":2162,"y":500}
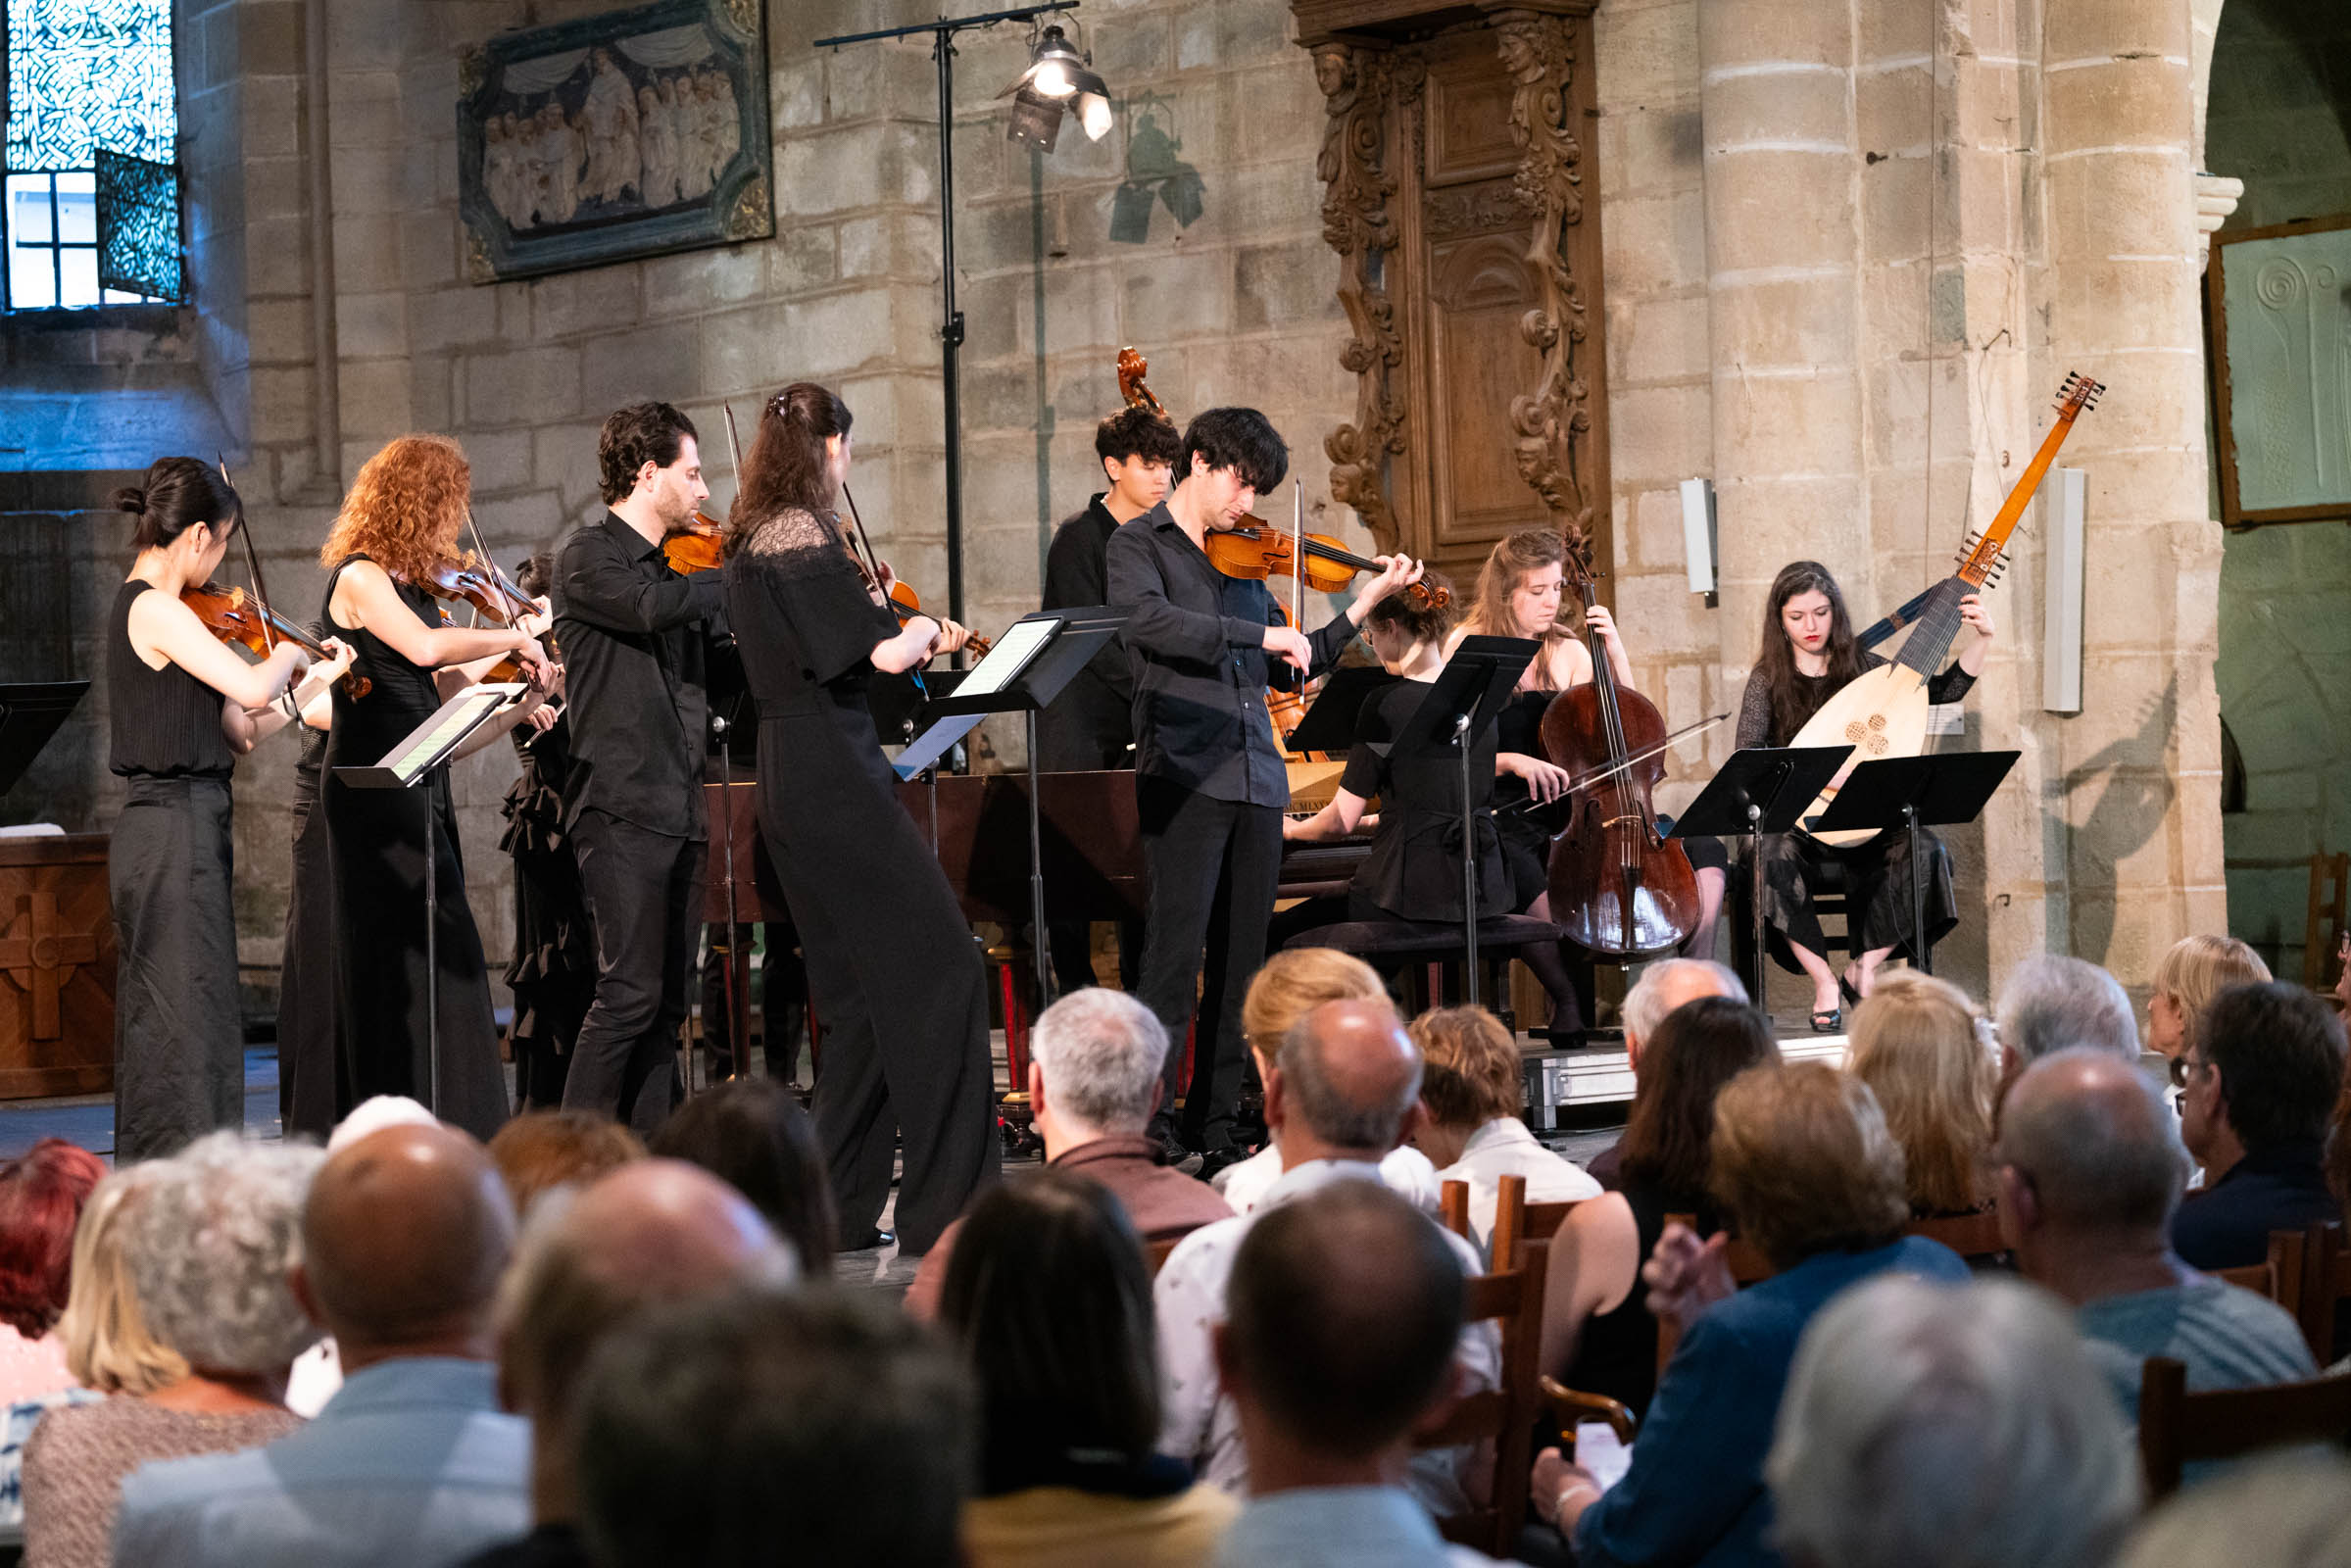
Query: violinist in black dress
{"x":1809,"y":652}
{"x":1209,"y":784}
{"x":181,"y":707}
{"x":1413,"y":871}
{"x":894,"y":973}
{"x":311,"y":1093}
{"x":403,"y":515}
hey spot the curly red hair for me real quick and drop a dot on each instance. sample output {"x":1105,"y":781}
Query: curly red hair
{"x":406,"y":507}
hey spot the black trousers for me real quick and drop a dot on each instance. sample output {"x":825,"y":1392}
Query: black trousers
{"x":643,"y":895}
{"x":783,"y":996}
{"x":1213,"y":867}
{"x":1071,"y":944}
{"x":180,"y":1048}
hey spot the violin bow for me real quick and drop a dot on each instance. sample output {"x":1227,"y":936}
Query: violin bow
{"x":1297,"y":555}
{"x":734,"y":445}
{"x":253,"y":561}
{"x":1530,"y":804}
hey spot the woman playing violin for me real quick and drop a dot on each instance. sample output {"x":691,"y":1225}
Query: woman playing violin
{"x":1209,"y":784}
{"x":397,"y":530}
{"x":892,"y":969}
{"x":1521,"y":591}
{"x":181,"y":707}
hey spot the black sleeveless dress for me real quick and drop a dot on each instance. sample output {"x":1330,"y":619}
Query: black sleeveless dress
{"x":900,"y":992}
{"x":179,"y":1038}
{"x":376,"y":846}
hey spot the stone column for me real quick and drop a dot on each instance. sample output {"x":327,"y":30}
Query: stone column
{"x":1781,"y":253}
{"x":2136,"y":775}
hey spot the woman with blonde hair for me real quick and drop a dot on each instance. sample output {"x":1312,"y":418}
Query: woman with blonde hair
{"x":2195,"y":970}
{"x":1522,"y":592}
{"x":1914,"y":1043}
{"x":1291,"y":984}
{"x":403,"y":515}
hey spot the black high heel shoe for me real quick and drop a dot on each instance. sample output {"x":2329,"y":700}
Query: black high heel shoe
{"x":1827,"y":1023}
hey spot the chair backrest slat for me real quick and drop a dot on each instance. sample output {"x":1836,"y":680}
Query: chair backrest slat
{"x":1504,"y":1415}
{"x":2176,"y":1428}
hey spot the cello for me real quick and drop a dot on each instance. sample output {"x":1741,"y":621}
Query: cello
{"x":1619,"y":888}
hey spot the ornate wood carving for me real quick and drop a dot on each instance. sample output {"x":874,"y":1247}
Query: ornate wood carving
{"x":1453,"y":167}
{"x":1553,"y":421}
{"x":1356,"y":223}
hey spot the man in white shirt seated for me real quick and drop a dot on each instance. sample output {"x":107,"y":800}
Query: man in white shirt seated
{"x":1472,"y":1090}
{"x":1343,"y":1091}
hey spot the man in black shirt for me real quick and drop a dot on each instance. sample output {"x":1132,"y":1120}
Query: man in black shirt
{"x":1090,"y":725}
{"x":1209,"y":784}
{"x":631,"y":631}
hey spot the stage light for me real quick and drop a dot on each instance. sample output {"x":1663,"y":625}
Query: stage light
{"x":1056,"y":74}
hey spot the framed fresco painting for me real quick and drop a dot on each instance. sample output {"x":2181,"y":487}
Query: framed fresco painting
{"x":633,"y":133}
{"x":2278,"y":310}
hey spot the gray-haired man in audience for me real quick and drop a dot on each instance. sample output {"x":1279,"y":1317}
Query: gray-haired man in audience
{"x":1663,"y":986}
{"x":2053,"y":1003}
{"x":2089,"y":1169}
{"x":1345,"y":1090}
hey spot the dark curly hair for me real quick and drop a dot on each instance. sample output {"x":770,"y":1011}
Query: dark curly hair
{"x":1132,"y":434}
{"x":632,"y":437}
{"x":1240,"y":439}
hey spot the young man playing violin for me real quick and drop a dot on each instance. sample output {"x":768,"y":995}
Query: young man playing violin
{"x":632,"y":634}
{"x":1091,"y":725}
{"x":1209,"y":784}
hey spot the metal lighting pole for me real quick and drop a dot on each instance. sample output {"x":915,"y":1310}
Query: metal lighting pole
{"x":950,"y":319}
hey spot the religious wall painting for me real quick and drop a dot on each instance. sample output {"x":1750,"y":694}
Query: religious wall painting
{"x":2279,"y":315}
{"x":634,"y":133}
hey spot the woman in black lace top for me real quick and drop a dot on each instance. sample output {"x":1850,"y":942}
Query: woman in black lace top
{"x":895,"y":978}
{"x":1809,"y":652}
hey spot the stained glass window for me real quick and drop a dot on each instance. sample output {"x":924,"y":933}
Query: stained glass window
{"x":85,"y":77}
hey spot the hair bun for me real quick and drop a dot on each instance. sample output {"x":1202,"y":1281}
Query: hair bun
{"x":132,"y":499}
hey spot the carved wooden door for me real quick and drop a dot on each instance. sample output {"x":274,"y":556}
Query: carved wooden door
{"x":1456,"y":195}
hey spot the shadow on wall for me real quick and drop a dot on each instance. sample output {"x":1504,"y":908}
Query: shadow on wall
{"x":2135,"y":796}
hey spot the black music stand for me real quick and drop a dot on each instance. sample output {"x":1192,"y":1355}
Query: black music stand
{"x":31,"y":714}
{"x":1036,"y":657}
{"x":1759,"y":790}
{"x":421,"y":754}
{"x":1464,"y":699}
{"x":1911,"y":793}
{"x":1329,"y":725}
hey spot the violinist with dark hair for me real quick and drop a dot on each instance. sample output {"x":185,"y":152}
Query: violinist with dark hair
{"x":181,"y":709}
{"x":1210,"y":782}
{"x":397,"y":532}
{"x":632,"y":632}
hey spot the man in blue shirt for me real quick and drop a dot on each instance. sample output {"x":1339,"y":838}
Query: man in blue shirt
{"x":2255,"y":1093}
{"x":412,"y":1464}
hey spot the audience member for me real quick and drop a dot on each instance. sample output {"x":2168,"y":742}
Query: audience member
{"x":374,"y":1114}
{"x":1341,"y":1336}
{"x":543,"y":1150}
{"x":1291,"y":984}
{"x":1805,"y":1169}
{"x":650,"y":1233}
{"x":1472,"y":1094}
{"x":2090,"y":1170}
{"x":2279,"y":1513}
{"x":819,"y":1428}
{"x":41,"y":1197}
{"x":1598,"y":1335}
{"x":1050,"y":1303}
{"x":402,"y":1241}
{"x":2256,"y":1086}
{"x":2195,"y":970}
{"x":1941,"y":1426}
{"x":209,"y":1245}
{"x":1344,"y":1092}
{"x":751,"y":1134}
{"x":2052,"y":1004}
{"x":1664,"y":987}
{"x":107,"y":1346}
{"x":1095,"y":1063}
{"x":1914,"y":1043}
{"x":2338,"y":1151}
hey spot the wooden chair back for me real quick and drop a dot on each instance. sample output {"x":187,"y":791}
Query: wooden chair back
{"x":1452,"y":1208}
{"x":2326,"y":1286}
{"x":1502,"y":1416}
{"x":1155,"y":1253}
{"x":2277,"y":1276}
{"x":1971,"y":1235}
{"x":2322,"y":929}
{"x":1517,"y":1222}
{"x":2176,"y":1428}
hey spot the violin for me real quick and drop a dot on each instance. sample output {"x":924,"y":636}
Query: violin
{"x":901,"y":599}
{"x":475,"y":580}
{"x":1617,"y":886}
{"x":700,"y":548}
{"x":236,"y":617}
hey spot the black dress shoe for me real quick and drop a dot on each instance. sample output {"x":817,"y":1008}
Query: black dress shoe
{"x":1217,"y":1160}
{"x":875,"y":1237}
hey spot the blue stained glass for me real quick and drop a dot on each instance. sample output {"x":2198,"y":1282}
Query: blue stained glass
{"x":137,"y":227}
{"x":84,"y":75}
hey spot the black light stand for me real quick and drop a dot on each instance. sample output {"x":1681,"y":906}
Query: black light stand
{"x":950,"y":319}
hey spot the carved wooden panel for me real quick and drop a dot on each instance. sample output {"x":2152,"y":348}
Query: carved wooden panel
{"x":57,"y":967}
{"x":1455,"y":195}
